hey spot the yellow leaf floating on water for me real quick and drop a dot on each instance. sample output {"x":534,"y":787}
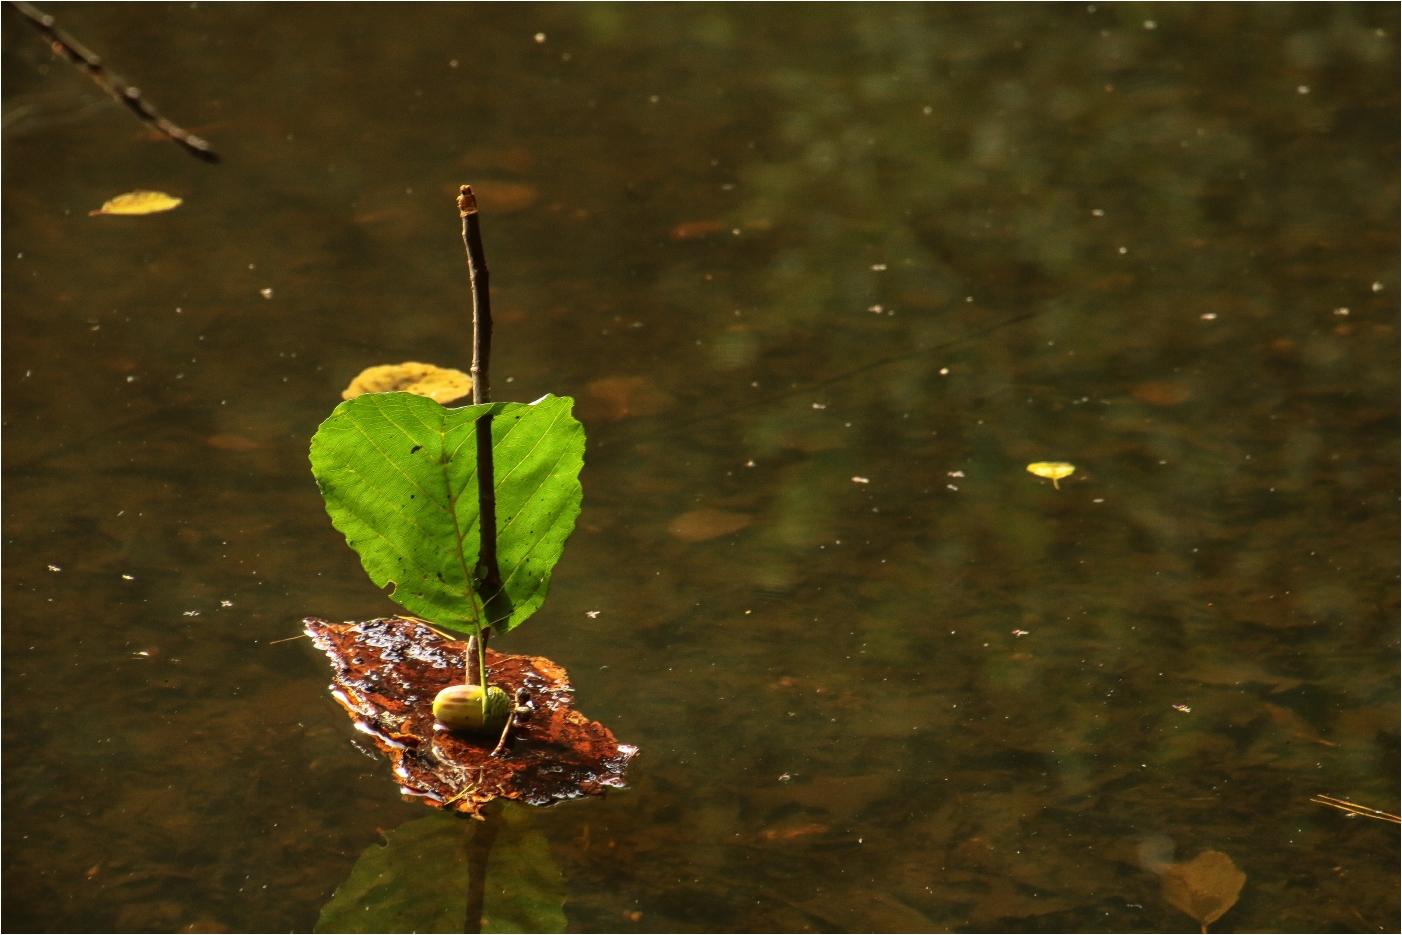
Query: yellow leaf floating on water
{"x":439,"y":384}
{"x":138,"y":203}
{"x":1055,"y":470}
{"x":1204,"y":887}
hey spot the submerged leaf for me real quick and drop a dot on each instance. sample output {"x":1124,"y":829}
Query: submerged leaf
{"x":399,"y":474}
{"x":441,"y":384}
{"x":1054,"y":470}
{"x":138,"y":202}
{"x":1204,"y":887}
{"x":700,"y":525}
{"x":617,"y":398}
{"x":386,"y":674}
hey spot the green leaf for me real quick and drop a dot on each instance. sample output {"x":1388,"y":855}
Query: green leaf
{"x":416,"y":882}
{"x":420,"y":880}
{"x":399,"y":474}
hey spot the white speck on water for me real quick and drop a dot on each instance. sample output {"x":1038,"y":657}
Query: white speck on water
{"x":192,"y":613}
{"x":55,"y":568}
{"x":861,"y":480}
{"x":1302,"y":89}
{"x":1208,"y":316}
{"x":592,"y":614}
{"x":1340,"y":311}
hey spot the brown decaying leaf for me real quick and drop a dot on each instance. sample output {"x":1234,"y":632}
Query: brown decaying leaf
{"x":790,"y":832}
{"x":441,"y":384}
{"x":700,"y":525}
{"x":693,"y":229}
{"x":629,"y":396}
{"x":1161,"y":392}
{"x":231,"y":443}
{"x":386,"y":674}
{"x":498,"y":197}
{"x":1204,"y":887}
{"x":510,"y":158}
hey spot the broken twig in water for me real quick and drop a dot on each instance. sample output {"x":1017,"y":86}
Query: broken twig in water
{"x":1353,"y":808}
{"x":71,"y":49}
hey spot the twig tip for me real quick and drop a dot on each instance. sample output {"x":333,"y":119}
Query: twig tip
{"x":467,"y":201}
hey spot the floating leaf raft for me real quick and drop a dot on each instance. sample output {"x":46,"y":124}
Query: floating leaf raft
{"x":386,"y":673}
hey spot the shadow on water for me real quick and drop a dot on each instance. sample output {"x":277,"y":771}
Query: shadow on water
{"x":883,"y":678}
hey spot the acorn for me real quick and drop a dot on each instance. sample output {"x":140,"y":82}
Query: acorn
{"x":461,"y":707}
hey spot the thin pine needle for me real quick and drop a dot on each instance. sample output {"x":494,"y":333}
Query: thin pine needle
{"x":1353,"y":808}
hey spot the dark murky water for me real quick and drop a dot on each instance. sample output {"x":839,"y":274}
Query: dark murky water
{"x":770,"y":250}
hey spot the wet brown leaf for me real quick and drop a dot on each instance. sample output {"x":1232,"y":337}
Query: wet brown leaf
{"x":789,"y":832}
{"x":694,"y":229}
{"x":386,"y":674}
{"x":629,"y":396}
{"x":231,"y":443}
{"x":700,"y":525}
{"x":505,"y":197}
{"x":1006,"y":899}
{"x":510,"y":158}
{"x":1161,"y":392}
{"x":1204,"y":887}
{"x":440,"y":384}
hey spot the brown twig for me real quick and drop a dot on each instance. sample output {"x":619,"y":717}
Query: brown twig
{"x":481,"y":297}
{"x":65,"y":45}
{"x":488,"y":570}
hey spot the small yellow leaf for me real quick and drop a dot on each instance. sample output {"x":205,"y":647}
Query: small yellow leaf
{"x":138,"y":203}
{"x":440,"y":384}
{"x":1055,"y":470}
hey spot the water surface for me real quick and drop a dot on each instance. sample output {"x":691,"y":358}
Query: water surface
{"x":823,"y":279}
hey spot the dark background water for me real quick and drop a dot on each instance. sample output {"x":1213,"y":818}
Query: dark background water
{"x":1123,"y":236}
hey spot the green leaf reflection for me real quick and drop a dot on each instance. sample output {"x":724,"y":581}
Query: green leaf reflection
{"x":428,"y":877}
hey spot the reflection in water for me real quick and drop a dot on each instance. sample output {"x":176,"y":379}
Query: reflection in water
{"x":1077,"y":235}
